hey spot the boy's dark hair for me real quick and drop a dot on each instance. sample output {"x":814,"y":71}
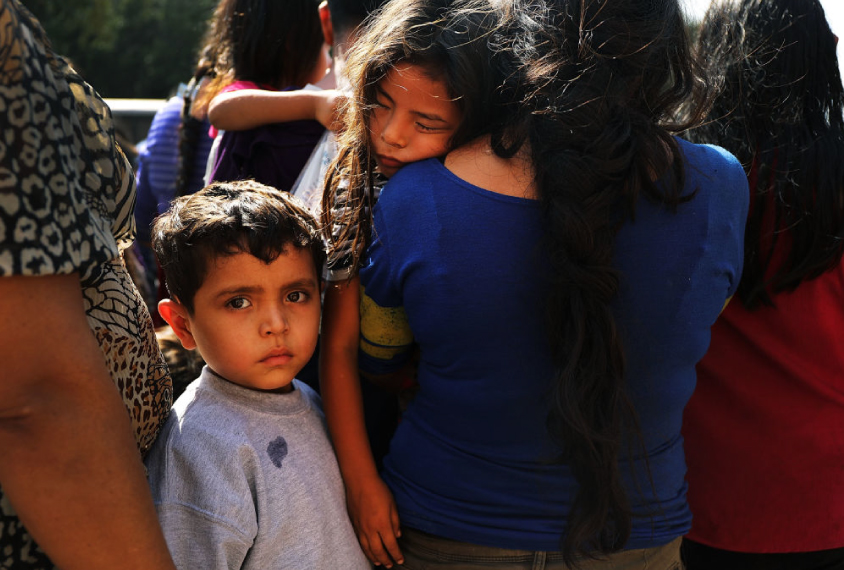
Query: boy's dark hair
{"x":226,"y":218}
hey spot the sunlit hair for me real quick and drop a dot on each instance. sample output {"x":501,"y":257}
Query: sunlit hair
{"x":227,"y":218}
{"x":779,"y":110}
{"x":453,"y":41}
{"x":607,"y":80}
{"x":268,"y":42}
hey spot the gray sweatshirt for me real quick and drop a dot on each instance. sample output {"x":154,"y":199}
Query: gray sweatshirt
{"x":248,"y":479}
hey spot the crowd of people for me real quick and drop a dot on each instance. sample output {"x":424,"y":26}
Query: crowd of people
{"x":567,"y":297}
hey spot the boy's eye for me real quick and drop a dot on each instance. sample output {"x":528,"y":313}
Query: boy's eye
{"x":297,"y":297}
{"x":239,"y":303}
{"x":426,"y":128}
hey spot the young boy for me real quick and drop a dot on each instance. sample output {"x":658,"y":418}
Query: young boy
{"x":243,"y":474}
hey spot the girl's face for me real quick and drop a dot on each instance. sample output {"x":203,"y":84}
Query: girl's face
{"x":413,"y":119}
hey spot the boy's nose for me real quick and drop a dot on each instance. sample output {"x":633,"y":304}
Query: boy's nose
{"x":274,"y":322}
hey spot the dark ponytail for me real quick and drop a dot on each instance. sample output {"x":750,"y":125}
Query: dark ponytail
{"x":191,"y":131}
{"x":606,"y":78}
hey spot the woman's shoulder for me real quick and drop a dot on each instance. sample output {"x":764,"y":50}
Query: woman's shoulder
{"x":400,"y":187}
{"x":408,"y":173}
{"x":709,"y":157}
{"x":714,"y":171}
{"x":477,"y":164}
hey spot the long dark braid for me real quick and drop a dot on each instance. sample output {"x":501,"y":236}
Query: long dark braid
{"x":195,"y":103}
{"x":606,"y":78}
{"x":190,"y":130}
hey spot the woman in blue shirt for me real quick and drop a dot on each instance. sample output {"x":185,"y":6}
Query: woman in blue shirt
{"x":559,"y":276}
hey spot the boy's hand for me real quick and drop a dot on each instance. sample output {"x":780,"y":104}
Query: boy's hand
{"x":326,"y":108}
{"x":376,"y":521}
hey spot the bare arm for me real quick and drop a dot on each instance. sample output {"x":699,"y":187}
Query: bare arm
{"x":371,"y":505}
{"x":70,"y":465}
{"x":250,"y":108}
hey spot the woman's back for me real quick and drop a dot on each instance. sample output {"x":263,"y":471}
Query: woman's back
{"x":765,"y":426}
{"x":472,"y":458}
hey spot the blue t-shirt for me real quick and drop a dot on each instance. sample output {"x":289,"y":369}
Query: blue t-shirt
{"x":462,"y":272}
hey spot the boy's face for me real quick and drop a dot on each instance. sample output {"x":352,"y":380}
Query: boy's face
{"x":413,"y":119}
{"x":256,"y":324}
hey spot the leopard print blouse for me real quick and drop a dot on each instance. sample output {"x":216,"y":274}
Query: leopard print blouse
{"x":67,"y":194}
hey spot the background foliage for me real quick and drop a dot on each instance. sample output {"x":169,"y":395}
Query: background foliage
{"x":127,"y":48}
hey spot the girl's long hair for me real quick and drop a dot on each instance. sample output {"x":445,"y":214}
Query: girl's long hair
{"x":268,"y":42}
{"x":607,"y":79}
{"x":779,"y":110}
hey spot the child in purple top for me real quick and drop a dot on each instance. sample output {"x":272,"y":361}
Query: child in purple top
{"x":274,"y":46}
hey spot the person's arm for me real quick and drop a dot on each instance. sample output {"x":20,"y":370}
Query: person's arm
{"x":249,"y":108}
{"x":70,"y":466}
{"x":371,"y":506}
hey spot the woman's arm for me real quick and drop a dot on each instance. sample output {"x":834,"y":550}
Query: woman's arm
{"x":250,"y":108}
{"x":70,"y":466}
{"x":371,"y":506}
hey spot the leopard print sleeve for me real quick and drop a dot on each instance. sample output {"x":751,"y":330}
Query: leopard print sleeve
{"x":67,"y":194}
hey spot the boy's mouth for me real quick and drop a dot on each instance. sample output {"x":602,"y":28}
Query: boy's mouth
{"x":277,"y":357}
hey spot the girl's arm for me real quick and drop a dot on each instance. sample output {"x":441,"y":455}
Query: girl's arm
{"x":250,"y":108}
{"x":370,"y":503}
{"x":69,"y":465}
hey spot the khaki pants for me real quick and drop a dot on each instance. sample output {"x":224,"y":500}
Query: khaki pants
{"x":426,"y":552}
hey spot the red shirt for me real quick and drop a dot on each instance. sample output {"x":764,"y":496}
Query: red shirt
{"x":764,"y":429}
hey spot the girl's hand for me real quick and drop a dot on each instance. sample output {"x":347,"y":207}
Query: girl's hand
{"x":326,"y":106}
{"x":376,"y":521}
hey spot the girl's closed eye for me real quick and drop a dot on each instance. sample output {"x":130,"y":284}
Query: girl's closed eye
{"x":239,"y":303}
{"x":427,"y":128}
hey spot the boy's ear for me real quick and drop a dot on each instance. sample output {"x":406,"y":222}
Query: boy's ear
{"x":325,"y":20}
{"x":176,"y":316}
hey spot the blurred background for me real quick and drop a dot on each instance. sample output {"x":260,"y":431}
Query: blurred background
{"x":137,"y":52}
{"x":127,"y":48}
{"x":144,"y":48}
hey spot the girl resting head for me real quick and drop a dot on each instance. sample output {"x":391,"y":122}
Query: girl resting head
{"x":427,"y":77}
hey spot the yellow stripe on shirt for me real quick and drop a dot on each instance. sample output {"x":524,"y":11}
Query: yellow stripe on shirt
{"x":384,"y":331}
